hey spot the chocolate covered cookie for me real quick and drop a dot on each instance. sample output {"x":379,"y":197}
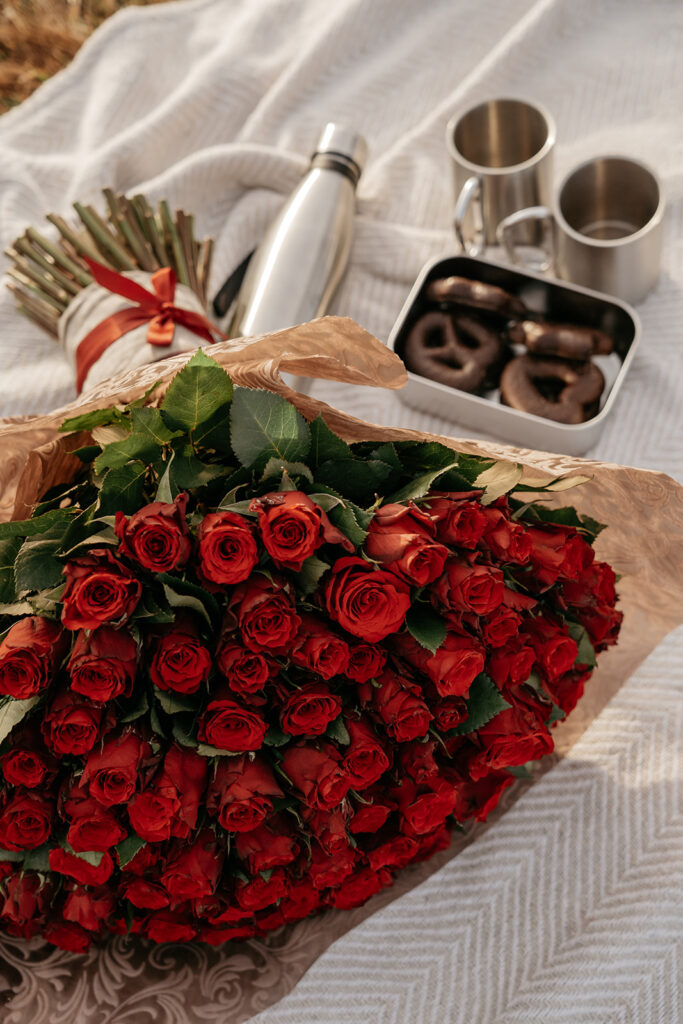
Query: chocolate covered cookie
{"x":553,"y":388}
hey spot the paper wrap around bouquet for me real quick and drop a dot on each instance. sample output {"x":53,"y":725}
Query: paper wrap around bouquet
{"x":644,"y":512}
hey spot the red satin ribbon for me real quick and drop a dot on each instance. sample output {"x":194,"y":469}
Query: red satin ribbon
{"x":156,"y":308}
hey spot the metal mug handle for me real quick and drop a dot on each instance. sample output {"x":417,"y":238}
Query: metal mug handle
{"x":504,"y":237}
{"x":470,"y":190}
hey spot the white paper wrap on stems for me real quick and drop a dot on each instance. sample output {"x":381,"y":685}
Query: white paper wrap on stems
{"x":132,"y":350}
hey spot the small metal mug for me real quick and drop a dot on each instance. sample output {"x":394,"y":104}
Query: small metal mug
{"x":502,"y":152}
{"x":604,"y":228}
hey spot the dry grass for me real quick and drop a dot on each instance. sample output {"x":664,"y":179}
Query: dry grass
{"x":39,"y":37}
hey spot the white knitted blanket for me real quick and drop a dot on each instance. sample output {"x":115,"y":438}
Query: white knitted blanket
{"x":565,"y":911}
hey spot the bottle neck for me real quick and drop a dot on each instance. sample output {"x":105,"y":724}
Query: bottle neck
{"x":337,"y":162}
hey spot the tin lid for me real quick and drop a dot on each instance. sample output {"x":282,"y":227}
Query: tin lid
{"x":338,"y":140}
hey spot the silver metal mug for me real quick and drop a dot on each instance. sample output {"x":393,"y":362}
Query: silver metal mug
{"x":604,"y":229}
{"x":502,"y":155}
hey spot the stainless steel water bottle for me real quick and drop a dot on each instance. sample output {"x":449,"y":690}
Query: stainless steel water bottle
{"x":293,"y":274}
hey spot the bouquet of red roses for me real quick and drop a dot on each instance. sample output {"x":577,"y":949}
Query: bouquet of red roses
{"x":248,"y":670}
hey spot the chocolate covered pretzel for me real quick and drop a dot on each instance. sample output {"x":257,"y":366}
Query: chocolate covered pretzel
{"x":566,"y":341}
{"x":558,"y":390}
{"x":458,"y":351}
{"x":461,"y":291}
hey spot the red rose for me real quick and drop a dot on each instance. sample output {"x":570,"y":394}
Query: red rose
{"x":88,"y":907}
{"x":267,"y":846}
{"x":30,"y":652}
{"x":181,"y":662}
{"x":27,"y":763}
{"x":228,"y":726}
{"x":479,"y":798}
{"x":328,"y":827}
{"x":502,"y":626}
{"x":318,"y":773}
{"x":25,"y":821}
{"x":193,"y":871}
{"x":558,"y":553}
{"x":103,"y":663}
{"x":469,"y":587}
{"x":417,"y":760}
{"x":68,"y":935}
{"x":98,"y":589}
{"x":241,"y":793}
{"x":151,"y":814}
{"x":293,"y":527}
{"x":367,"y":602}
{"x":454,"y":666}
{"x":395,"y":853}
{"x":423,"y":812}
{"x":602,"y":624}
{"x":145,"y":895}
{"x":301,"y":900}
{"x":259,"y":893}
{"x":166,"y":926}
{"x":593,"y":586}
{"x":318,"y":649}
{"x":460,"y":521}
{"x":65,"y":863}
{"x":568,"y":689}
{"x":112,"y":770}
{"x":360,"y":887}
{"x":399,"y":704}
{"x":369,"y":818}
{"x":511,"y":738}
{"x":265,"y":614}
{"x":156,"y":536}
{"x":143,"y":861}
{"x":365,"y":760}
{"x":247,"y":672}
{"x":26,"y":897}
{"x":401,"y":537}
{"x":309,"y":710}
{"x":71,"y":725}
{"x":94,"y":828}
{"x":511,"y":664}
{"x":507,"y":541}
{"x":554,"y":648}
{"x":185,"y":773}
{"x":365,"y":662}
{"x":227,"y":548}
{"x":449,"y":712}
{"x":325,"y":870}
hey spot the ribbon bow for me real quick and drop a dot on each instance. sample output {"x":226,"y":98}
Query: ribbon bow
{"x":155,"y":308}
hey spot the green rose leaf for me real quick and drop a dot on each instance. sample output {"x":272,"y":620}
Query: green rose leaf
{"x":359,"y":481}
{"x":9,"y":548}
{"x":172,"y":703}
{"x":484,"y":703}
{"x":182,"y":594}
{"x":421,"y":484}
{"x":56,"y":517}
{"x":122,"y":489}
{"x":312,"y":571}
{"x":276,"y":737}
{"x":38,"y":859}
{"x":426,"y":626}
{"x":12,"y":711}
{"x":497,"y":480}
{"x":36,"y":566}
{"x":195,"y":394}
{"x":586,"y":653}
{"x":337,"y":730}
{"x":94,"y":418}
{"x":127,"y":848}
{"x":12,"y":855}
{"x":264,"y":426}
{"x":325,"y":445}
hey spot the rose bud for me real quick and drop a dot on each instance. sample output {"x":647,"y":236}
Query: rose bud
{"x":449,"y":712}
{"x":460,"y":521}
{"x":259,"y":893}
{"x":421,"y":813}
{"x":242,"y":793}
{"x":365,"y":662}
{"x":88,"y":907}
{"x":98,"y":589}
{"x":602,"y":625}
{"x":145,"y":895}
{"x":506,"y":540}
{"x":181,"y":662}
{"x":399,"y":704}
{"x":558,"y":553}
{"x":395,"y":853}
{"x":227,"y":548}
{"x":328,"y":827}
{"x":151,"y":814}
{"x":103,"y":663}
{"x":64,"y":863}
{"x":466,"y":586}
{"x":93,"y":828}
{"x":112,"y":770}
{"x":401,"y":537}
{"x":293,"y":527}
{"x":266,"y":614}
{"x":71,"y":725}
{"x":26,"y":897}
{"x":365,"y":760}
{"x":417,"y":760}
{"x":228,"y":726}
{"x":318,"y":649}
{"x":367,"y":602}
{"x":555,"y":650}
{"x":156,"y":536}
{"x":247,"y":671}
{"x":193,"y":870}
{"x":267,"y":846}
{"x":318,"y":774}
{"x":68,"y":935}
{"x":25,"y":821}
{"x":30,"y":652}
{"x":511,"y":738}
{"x":301,"y":900}
{"x":325,"y":870}
{"x":512,"y":664}
{"x":479,"y":798}
{"x":359,"y":887}
{"x":501,"y":626}
{"x":454,"y":666}
{"x":166,"y":926}
{"x":309,"y":711}
{"x":369,"y":818}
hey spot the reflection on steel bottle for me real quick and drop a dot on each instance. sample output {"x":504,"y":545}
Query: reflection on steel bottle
{"x":293,"y":274}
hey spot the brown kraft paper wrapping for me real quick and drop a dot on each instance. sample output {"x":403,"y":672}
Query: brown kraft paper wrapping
{"x":644,"y":512}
